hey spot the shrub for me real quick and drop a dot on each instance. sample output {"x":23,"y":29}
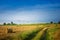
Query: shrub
{"x":4,"y":23}
{"x":59,"y":22}
{"x":51,"y":22}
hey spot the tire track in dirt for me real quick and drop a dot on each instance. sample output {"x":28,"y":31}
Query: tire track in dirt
{"x":41,"y":35}
{"x":32,"y":35}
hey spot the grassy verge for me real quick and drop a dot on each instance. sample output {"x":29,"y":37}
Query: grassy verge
{"x":28,"y":35}
{"x":50,"y":33}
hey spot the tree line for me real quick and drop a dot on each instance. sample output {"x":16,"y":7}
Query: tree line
{"x":55,"y":23}
{"x":9,"y":23}
{"x":15,"y":24}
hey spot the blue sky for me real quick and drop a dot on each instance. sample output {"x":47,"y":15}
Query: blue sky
{"x":29,"y":11}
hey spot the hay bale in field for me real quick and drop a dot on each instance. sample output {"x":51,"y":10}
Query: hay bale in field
{"x":10,"y":30}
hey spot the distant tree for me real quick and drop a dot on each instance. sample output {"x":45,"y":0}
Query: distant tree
{"x":4,"y":23}
{"x":12,"y":23}
{"x":59,"y":22}
{"x":51,"y":22}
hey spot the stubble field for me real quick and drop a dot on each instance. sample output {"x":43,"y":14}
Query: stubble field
{"x":30,"y":32}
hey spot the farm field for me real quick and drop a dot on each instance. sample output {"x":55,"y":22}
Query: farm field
{"x":29,"y":19}
{"x":30,"y":32}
